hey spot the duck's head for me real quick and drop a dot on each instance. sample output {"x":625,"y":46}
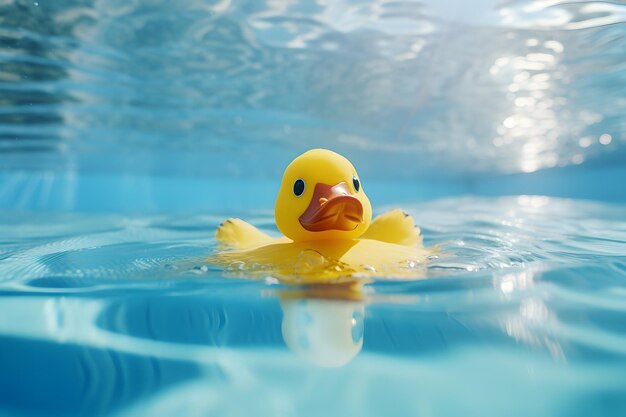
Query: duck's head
{"x":321,"y":197}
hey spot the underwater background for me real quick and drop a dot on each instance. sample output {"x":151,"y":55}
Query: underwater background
{"x":129,"y":129}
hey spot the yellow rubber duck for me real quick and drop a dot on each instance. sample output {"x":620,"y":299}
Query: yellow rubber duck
{"x":325,"y":217}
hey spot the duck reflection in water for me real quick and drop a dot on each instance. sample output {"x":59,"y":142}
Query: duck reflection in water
{"x":324,"y":323}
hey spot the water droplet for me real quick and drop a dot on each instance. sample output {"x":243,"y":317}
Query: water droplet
{"x":412,"y":264}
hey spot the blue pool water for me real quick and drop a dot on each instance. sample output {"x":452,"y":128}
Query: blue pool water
{"x":522,"y":312}
{"x":130,"y":129}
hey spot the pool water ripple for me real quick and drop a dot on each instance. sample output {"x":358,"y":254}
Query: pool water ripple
{"x":134,"y":317}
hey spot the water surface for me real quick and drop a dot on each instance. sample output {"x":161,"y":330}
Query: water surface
{"x":521,"y":313}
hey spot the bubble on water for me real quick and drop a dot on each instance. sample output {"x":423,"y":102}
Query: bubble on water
{"x":270,"y":280}
{"x":310,"y":261}
{"x":369,"y":268}
{"x":201,"y":268}
{"x":237,"y":266}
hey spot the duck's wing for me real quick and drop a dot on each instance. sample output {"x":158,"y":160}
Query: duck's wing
{"x":237,"y":234}
{"x":395,"y":226}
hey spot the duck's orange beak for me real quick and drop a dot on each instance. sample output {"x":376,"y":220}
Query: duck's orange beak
{"x":332,"y":208}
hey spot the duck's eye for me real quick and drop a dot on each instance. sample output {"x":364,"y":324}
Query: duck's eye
{"x":298,"y":187}
{"x":355,"y":182}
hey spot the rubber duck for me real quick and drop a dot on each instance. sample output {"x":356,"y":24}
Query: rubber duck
{"x":326,"y":219}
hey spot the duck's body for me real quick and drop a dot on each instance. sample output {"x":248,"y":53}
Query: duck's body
{"x":400,"y":254}
{"x":327,"y":229}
